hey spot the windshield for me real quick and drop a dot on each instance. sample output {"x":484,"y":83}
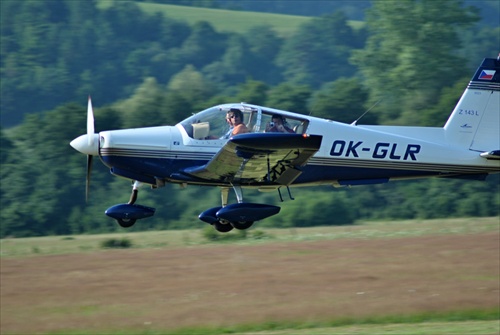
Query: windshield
{"x":211,"y":123}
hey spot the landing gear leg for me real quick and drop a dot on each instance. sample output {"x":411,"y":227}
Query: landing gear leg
{"x":224,"y":194}
{"x":135,"y":192}
{"x":127,"y":223}
{"x":223,"y":226}
{"x":238,"y":193}
{"x":240,"y":225}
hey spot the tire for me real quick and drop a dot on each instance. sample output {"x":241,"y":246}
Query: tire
{"x":242,"y":225}
{"x":222,"y":228}
{"x":126,"y":223}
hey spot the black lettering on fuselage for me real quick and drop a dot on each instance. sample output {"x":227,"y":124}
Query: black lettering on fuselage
{"x":393,"y":152}
{"x":337,"y":148}
{"x":352,"y":149}
{"x":411,"y":151}
{"x":381,"y":150}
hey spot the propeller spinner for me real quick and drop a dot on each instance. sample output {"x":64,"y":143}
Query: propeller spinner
{"x":88,"y":144}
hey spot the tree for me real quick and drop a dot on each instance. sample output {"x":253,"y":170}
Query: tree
{"x":144,"y":108}
{"x":319,"y":51}
{"x":203,"y":46}
{"x":191,"y":85}
{"x":5,"y":147}
{"x":436,"y":115}
{"x":235,"y":65}
{"x":342,"y":100}
{"x":253,"y":92}
{"x":480,"y":42}
{"x":290,"y":97}
{"x":265,"y":46}
{"x":411,"y":53}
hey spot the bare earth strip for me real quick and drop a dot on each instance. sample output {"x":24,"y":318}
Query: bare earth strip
{"x":216,"y":285}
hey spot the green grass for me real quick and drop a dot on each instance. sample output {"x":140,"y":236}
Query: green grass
{"x":50,"y":245}
{"x":228,"y":20}
{"x":468,"y":322}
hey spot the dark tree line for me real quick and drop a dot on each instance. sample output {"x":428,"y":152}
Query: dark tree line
{"x":58,"y":51}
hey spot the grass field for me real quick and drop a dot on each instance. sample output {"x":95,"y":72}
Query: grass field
{"x":412,"y":277}
{"x":228,"y":20}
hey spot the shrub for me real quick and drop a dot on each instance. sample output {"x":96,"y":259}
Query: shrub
{"x":116,"y":243}
{"x":260,"y":234}
{"x":212,"y":235}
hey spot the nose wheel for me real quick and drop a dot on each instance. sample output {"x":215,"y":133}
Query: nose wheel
{"x":126,"y":223}
{"x":127,"y":214}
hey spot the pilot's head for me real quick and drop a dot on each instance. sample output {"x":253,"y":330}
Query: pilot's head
{"x":234,"y":116}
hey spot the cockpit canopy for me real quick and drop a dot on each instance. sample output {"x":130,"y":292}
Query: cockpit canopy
{"x":211,"y":123}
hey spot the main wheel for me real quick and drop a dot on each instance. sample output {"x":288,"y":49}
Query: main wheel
{"x":222,"y":228}
{"x":242,"y":225}
{"x":126,"y":223}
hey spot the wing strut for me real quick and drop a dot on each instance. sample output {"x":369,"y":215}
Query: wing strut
{"x":268,"y":169}
{"x":289,"y":194}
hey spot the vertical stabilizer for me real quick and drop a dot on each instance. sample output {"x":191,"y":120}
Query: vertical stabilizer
{"x":475,"y":121}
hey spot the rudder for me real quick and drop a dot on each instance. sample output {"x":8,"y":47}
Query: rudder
{"x":475,"y":121}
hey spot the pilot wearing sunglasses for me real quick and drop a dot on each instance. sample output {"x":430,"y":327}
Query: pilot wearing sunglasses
{"x":234,"y":118}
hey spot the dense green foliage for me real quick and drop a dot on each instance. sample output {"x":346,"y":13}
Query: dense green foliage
{"x":149,"y":70}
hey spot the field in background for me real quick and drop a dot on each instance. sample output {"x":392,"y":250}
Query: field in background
{"x":229,"y":20}
{"x":51,"y":245}
{"x":303,"y":279}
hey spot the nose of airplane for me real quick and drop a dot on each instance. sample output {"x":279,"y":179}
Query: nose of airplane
{"x":87,"y":144}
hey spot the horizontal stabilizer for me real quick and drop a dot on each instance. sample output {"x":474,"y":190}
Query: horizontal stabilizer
{"x":495,"y":154}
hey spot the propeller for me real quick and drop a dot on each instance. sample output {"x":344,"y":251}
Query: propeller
{"x":90,"y":123}
{"x":88,"y":144}
{"x":90,"y":136}
{"x":87,"y":179}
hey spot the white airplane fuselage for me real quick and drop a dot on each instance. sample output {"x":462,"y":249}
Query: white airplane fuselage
{"x":313,"y":151}
{"x":349,"y":154}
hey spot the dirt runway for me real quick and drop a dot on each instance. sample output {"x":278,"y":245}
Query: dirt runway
{"x":232,"y":284}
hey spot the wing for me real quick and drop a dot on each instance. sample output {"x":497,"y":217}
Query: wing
{"x":258,"y":158}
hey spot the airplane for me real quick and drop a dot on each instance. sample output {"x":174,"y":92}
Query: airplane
{"x":316,"y":152}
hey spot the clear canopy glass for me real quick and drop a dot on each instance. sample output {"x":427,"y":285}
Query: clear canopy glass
{"x":211,"y":123}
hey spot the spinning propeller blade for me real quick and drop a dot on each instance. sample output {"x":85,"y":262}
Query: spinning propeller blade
{"x":90,"y":138}
{"x":88,"y":144}
{"x":87,"y":180}
{"x":90,"y":123}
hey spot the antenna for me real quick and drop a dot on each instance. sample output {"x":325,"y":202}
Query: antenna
{"x":369,"y":109}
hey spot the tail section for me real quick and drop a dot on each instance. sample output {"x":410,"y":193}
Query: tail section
{"x":475,"y":121}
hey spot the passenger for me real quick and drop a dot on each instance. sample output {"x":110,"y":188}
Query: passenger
{"x":278,"y":125}
{"x":234,"y":118}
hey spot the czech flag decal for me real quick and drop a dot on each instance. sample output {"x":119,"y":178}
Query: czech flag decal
{"x":486,"y":74}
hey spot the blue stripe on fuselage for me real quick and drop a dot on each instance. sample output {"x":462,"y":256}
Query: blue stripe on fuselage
{"x":319,"y":171}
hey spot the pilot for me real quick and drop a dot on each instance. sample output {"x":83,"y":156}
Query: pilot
{"x":278,"y":125}
{"x":234,"y":118}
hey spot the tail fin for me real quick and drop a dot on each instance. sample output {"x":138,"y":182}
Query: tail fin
{"x":475,"y":121}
